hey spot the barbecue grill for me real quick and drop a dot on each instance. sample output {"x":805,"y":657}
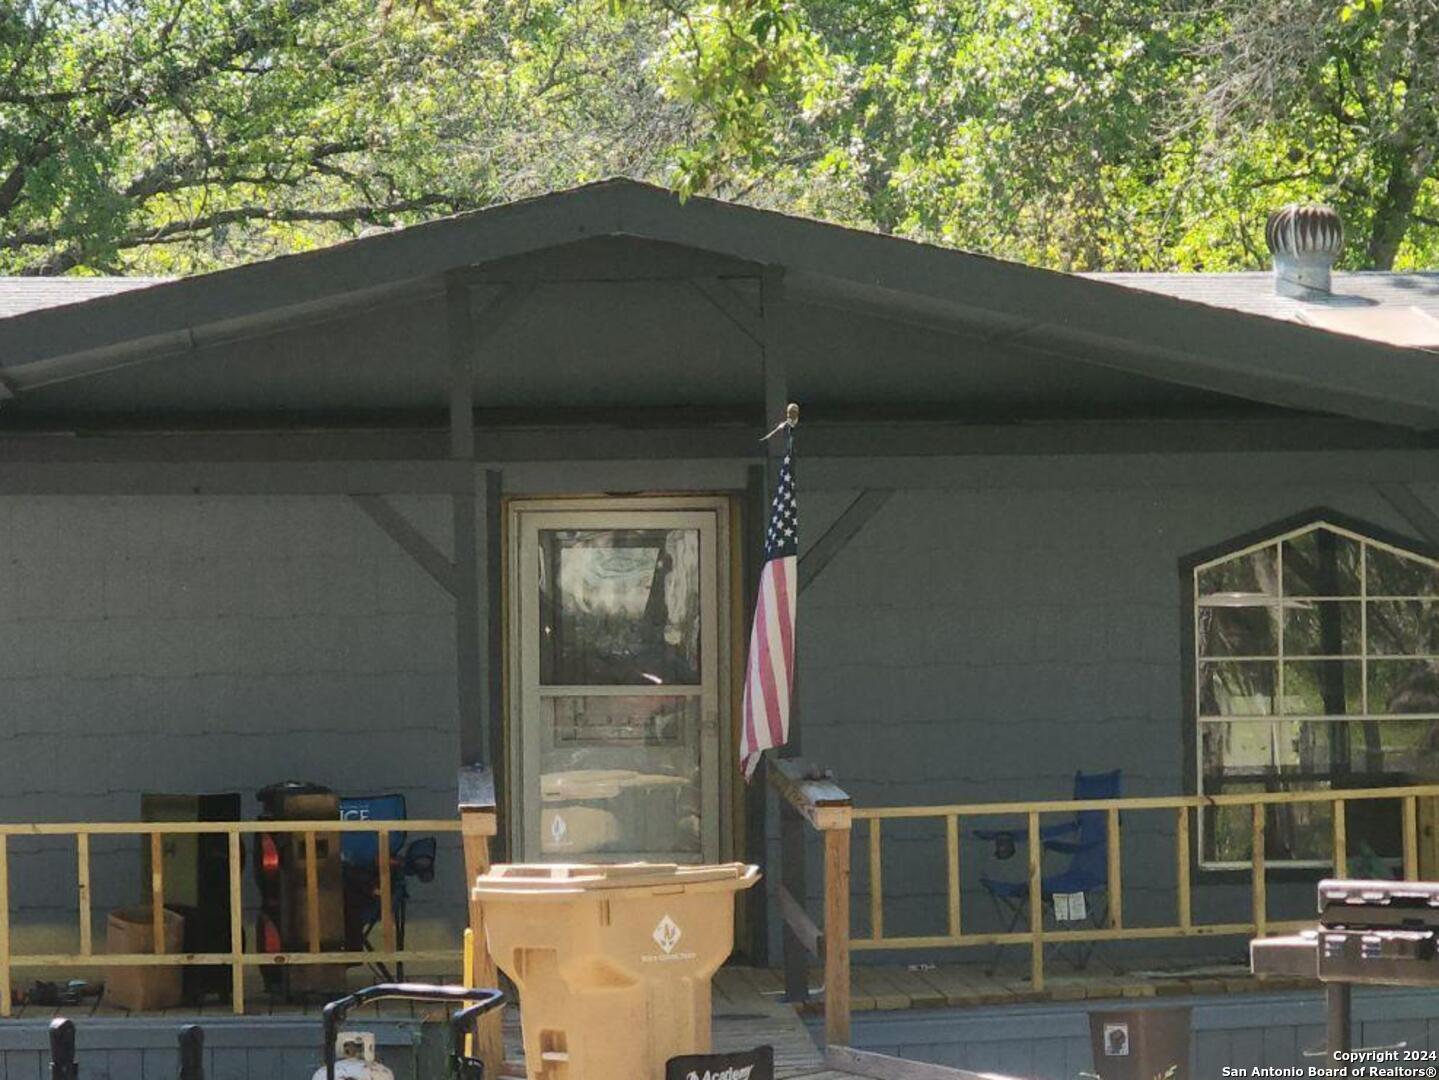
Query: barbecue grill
{"x":1372,"y":932}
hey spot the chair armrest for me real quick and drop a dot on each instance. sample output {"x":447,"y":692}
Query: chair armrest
{"x":1070,"y":847}
{"x":1017,"y":835}
{"x":1021,"y":836}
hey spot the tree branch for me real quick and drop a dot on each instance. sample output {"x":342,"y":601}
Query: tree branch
{"x":72,"y":257}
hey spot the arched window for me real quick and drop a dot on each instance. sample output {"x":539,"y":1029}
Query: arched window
{"x":1316,"y":666}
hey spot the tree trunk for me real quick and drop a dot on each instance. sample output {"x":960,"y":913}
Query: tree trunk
{"x":1409,"y":164}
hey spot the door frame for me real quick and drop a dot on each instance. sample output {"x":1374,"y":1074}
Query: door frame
{"x":721,"y":802}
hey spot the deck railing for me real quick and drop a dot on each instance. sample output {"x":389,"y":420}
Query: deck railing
{"x":811,"y":797}
{"x":238,"y":959}
{"x":1183,"y":808}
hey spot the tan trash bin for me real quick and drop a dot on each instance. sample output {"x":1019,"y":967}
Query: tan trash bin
{"x":613,"y":963}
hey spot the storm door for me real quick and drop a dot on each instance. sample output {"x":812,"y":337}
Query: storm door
{"x":616,"y":639}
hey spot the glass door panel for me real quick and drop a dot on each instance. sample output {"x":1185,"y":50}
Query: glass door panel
{"x":619,"y":607}
{"x":619,"y":703}
{"x":621,"y":774}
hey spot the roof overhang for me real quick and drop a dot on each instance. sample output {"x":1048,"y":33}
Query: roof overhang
{"x":985,"y":300}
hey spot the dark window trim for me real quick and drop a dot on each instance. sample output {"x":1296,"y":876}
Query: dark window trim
{"x":1319,"y":515}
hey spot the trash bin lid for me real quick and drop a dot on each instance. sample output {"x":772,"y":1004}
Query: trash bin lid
{"x":571,"y":878}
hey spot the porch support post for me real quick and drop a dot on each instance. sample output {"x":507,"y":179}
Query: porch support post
{"x":469,"y":330}
{"x":755,"y":793}
{"x":476,"y":617}
{"x":459,"y":318}
{"x":492,"y":617}
{"x":776,"y":398}
{"x":792,"y":832}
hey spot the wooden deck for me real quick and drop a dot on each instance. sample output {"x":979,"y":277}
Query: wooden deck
{"x":959,"y":985}
{"x":749,"y":1012}
{"x":741,"y":992}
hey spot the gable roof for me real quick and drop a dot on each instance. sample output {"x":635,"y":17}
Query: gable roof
{"x":1031,"y":323}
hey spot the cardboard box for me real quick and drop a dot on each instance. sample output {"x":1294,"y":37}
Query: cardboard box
{"x":130,"y":930}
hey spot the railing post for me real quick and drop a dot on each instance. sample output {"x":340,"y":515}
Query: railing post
{"x":1341,"y":840}
{"x":312,"y":890}
{"x":1181,"y":867}
{"x":157,"y":891}
{"x":876,"y":880}
{"x":479,"y":822}
{"x":1259,"y":885}
{"x":1411,"y":838}
{"x":4,"y":925}
{"x":951,"y":843}
{"x":237,"y":927}
{"x":792,"y":877}
{"x":1036,"y":903}
{"x":1115,"y":852}
{"x":82,"y":878}
{"x":387,"y":901}
{"x":836,"y":935}
{"x":808,"y":796}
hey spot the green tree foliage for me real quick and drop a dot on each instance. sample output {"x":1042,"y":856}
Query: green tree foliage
{"x":171,"y":135}
{"x":1087,"y":134}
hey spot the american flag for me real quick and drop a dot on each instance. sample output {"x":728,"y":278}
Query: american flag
{"x":769,"y":676}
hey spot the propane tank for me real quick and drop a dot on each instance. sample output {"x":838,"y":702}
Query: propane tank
{"x":355,"y":1058}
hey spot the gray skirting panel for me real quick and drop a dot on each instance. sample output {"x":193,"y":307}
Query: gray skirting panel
{"x":236,"y":1048}
{"x":1051,"y":1041}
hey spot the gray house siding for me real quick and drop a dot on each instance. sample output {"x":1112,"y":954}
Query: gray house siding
{"x":1002,"y":621}
{"x":1005,"y":621}
{"x":211,"y":644}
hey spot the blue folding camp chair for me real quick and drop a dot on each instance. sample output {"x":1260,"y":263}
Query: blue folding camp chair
{"x":1087,"y":871}
{"x":361,"y":865}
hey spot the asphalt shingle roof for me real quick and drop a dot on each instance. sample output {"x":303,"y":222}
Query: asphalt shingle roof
{"x":1253,"y":291}
{"x":21,"y":294}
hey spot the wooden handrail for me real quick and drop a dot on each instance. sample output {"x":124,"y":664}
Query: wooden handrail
{"x":1148,"y":802}
{"x":812,"y":792}
{"x":810,"y":796}
{"x":243,"y":828}
{"x":237,"y":959}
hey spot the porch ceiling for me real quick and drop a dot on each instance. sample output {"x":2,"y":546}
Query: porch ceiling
{"x":613,"y":319}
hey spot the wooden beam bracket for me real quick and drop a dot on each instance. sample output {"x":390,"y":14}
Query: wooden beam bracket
{"x":797,"y":919}
{"x":819,"y":554}
{"x":414,"y":543}
{"x":1412,"y":509}
{"x":734,"y":307}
